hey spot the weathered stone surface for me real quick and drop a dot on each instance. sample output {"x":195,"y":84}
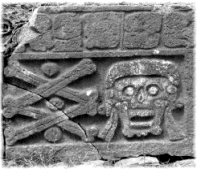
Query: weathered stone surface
{"x":178,"y":30}
{"x":142,"y":30}
{"x":100,"y":82}
{"x":138,"y":161}
{"x":58,"y":33}
{"x":67,"y":30}
{"x":41,"y":43}
{"x":53,"y":134}
{"x":95,"y":8}
{"x":71,"y":155}
{"x":50,"y":69}
{"x":102,"y":30}
{"x":42,"y":23}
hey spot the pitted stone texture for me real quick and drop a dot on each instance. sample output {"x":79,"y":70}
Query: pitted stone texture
{"x":67,"y":30}
{"x":61,"y":33}
{"x":94,"y":7}
{"x":141,"y":30}
{"x":57,"y":102}
{"x":41,"y":23}
{"x":50,"y":69}
{"x":42,"y":43}
{"x":178,"y":30}
{"x":102,"y":30}
{"x":53,"y":134}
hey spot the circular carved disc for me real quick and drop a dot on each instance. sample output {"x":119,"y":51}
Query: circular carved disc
{"x":7,"y":26}
{"x":57,"y":102}
{"x":50,"y":69}
{"x":42,"y":23}
{"x":53,"y":134}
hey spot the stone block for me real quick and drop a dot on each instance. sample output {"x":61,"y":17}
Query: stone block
{"x":59,"y":33}
{"x":67,"y":30}
{"x":41,"y":43}
{"x":142,"y":30}
{"x":99,"y":83}
{"x":178,"y":30}
{"x":102,"y":30}
{"x":138,"y":161}
{"x":41,"y":23}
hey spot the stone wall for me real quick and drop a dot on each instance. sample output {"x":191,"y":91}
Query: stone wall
{"x":101,"y":82}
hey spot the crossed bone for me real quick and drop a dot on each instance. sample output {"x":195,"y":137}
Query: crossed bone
{"x":45,"y":117}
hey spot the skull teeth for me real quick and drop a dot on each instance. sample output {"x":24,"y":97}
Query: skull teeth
{"x":139,"y":133}
{"x":140,"y":124}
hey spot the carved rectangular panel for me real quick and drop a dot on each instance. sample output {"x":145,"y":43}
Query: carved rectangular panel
{"x":100,"y":82}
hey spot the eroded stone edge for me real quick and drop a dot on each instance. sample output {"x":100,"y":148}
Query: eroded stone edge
{"x":111,"y":151}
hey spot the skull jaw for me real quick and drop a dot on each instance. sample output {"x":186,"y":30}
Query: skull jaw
{"x":128,"y":132}
{"x":142,"y":128}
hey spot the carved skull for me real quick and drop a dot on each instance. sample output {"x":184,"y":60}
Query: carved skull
{"x":141,"y":91}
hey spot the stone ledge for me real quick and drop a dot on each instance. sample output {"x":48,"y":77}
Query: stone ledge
{"x":87,"y":8}
{"x":110,"y":151}
{"x":102,"y":54}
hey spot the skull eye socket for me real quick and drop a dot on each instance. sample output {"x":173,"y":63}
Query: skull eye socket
{"x":171,"y":89}
{"x":153,"y":90}
{"x":129,"y":91}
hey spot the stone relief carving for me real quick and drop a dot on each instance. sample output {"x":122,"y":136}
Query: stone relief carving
{"x":54,"y":115}
{"x":142,"y":94}
{"x":97,"y":82}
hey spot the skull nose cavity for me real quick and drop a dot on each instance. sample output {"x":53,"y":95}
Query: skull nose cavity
{"x":140,"y":96}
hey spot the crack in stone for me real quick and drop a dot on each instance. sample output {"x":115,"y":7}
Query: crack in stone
{"x":62,"y":112}
{"x":39,"y":96}
{"x":96,"y":150}
{"x":90,"y":141}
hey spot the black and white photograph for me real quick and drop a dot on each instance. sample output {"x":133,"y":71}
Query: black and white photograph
{"x":89,"y":84}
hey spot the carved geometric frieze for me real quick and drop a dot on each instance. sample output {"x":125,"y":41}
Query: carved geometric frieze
{"x":142,"y":30}
{"x":103,"y":30}
{"x":178,"y":30}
